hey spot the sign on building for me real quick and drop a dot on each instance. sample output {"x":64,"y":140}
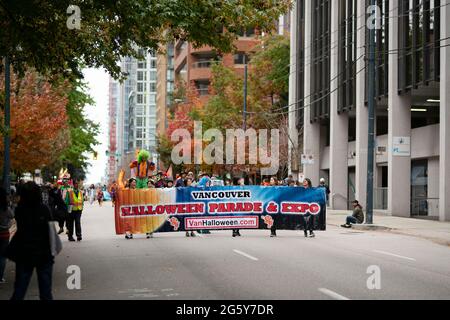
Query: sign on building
{"x":401,"y":146}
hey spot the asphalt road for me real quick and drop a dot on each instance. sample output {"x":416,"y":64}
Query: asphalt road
{"x":333,"y":265}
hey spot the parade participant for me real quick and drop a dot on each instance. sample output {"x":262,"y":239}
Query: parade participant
{"x":160,"y":181}
{"x":100,"y":196}
{"x":66,"y":193}
{"x":142,"y":169}
{"x":205,"y":180}
{"x":75,"y":216}
{"x":169,"y":183}
{"x":241,"y":183}
{"x":131,"y":184}
{"x":180,"y":182}
{"x":308,"y":218}
{"x":113,"y":191}
{"x":273,"y":230}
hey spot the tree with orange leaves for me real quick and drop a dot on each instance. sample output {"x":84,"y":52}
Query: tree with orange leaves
{"x":39,"y":131}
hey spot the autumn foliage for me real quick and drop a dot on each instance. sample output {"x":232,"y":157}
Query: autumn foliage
{"x":39,"y":130}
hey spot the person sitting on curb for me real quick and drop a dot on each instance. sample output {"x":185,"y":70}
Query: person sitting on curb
{"x":357,"y":217}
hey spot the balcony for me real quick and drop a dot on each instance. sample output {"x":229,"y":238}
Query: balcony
{"x":200,"y":71}
{"x":201,"y":50}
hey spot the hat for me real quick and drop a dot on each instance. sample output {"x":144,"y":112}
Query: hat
{"x":322,"y":180}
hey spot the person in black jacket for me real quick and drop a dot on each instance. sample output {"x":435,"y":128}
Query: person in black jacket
{"x":58,"y":207}
{"x":30,"y":246}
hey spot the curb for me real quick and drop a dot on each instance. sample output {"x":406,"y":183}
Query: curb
{"x":370,"y":227}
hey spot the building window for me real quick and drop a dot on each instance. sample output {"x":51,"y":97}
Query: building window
{"x":142,"y":65}
{"x":419,"y":44}
{"x":142,"y":76}
{"x":202,"y":88}
{"x":241,"y":58}
{"x":152,"y":75}
{"x":152,"y":86}
{"x":141,"y":87}
{"x":153,"y":64}
{"x":246,"y":32}
{"x":347,"y":55}
{"x":320,"y":65}
{"x":152,"y":98}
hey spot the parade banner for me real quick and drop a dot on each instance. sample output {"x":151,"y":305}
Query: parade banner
{"x":219,"y":208}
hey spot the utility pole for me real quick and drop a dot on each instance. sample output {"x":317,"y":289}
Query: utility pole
{"x":245,"y":92}
{"x":371,"y":126}
{"x":7,"y":138}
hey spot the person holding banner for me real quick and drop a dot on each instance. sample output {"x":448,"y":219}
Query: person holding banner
{"x":308,"y":218}
{"x":241,"y":183}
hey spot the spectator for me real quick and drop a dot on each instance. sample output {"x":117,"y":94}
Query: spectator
{"x":30,"y":246}
{"x":188,"y":182}
{"x":308,"y":218}
{"x":169,"y":183}
{"x":58,"y":207}
{"x":6,"y":221}
{"x":357,"y":217}
{"x":266,"y":182}
{"x":325,"y":187}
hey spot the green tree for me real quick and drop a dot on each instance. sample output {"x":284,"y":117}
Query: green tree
{"x":83,"y":134}
{"x":40,"y":33}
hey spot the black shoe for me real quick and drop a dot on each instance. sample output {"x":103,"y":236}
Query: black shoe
{"x":234,"y":234}
{"x":79,"y":239}
{"x":238,"y":233}
{"x":306,"y":234}
{"x":71,"y":239}
{"x":187,"y":234}
{"x":311,"y":234}
{"x":149,"y":235}
{"x":273,"y":234}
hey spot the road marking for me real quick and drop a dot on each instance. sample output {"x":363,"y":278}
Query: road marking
{"x":333,"y":294}
{"x":245,"y":255}
{"x":394,"y":255}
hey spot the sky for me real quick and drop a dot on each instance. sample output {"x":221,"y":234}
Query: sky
{"x":97,"y":81}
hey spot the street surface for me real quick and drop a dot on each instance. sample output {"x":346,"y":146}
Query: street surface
{"x":253,"y":267}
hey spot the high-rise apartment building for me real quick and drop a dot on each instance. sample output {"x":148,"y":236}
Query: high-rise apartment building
{"x":136,"y":116}
{"x":193,"y":65}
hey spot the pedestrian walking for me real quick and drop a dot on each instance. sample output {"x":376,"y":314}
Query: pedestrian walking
{"x":30,"y":246}
{"x":100,"y":196}
{"x":308,"y":218}
{"x":6,"y":221}
{"x":92,"y":194}
{"x":75,"y":216}
{"x":357,"y":217}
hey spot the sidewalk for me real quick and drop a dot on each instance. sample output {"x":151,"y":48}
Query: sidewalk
{"x":435,"y":231}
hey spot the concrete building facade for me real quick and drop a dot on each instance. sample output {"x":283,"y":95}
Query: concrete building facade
{"x":328,"y":102}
